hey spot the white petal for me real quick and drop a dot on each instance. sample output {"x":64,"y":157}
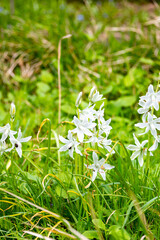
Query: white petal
{"x":108,"y":166}
{"x":150,"y":89}
{"x":144,"y":143}
{"x":154,"y":146}
{"x":136,"y":141}
{"x":140,"y":159}
{"x":102,"y":172}
{"x":132,"y":147}
{"x":141,"y":125}
{"x":95,"y":157}
{"x":25,"y":139}
{"x":63,"y":140}
{"x":19,"y":151}
{"x":63,"y":148}
{"x":94,"y":175}
{"x":71,"y":152}
{"x":80,"y":135}
{"x":156,"y":105}
{"x":135,"y":154}
{"x":4,"y":136}
{"x":19,"y":133}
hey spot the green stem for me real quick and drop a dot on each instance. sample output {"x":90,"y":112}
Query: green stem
{"x":76,"y":164}
{"x":148,"y":154}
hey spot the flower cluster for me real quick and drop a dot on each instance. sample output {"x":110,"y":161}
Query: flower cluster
{"x":150,"y":123}
{"x":8,"y":137}
{"x":90,"y":128}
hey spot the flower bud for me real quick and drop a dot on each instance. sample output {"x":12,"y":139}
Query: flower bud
{"x":12,"y":111}
{"x":78,"y":101}
{"x":92,"y":92}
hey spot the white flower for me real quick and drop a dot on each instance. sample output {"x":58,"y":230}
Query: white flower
{"x":151,"y":98}
{"x":100,"y":113}
{"x":6,"y":130}
{"x":139,"y":150}
{"x":104,"y":126}
{"x":17,"y":142}
{"x":152,"y":124}
{"x":99,"y":166}
{"x":143,"y":110}
{"x":3,"y":147}
{"x":82,"y":127}
{"x":106,"y":142}
{"x":95,"y":97}
{"x":70,"y":144}
{"x":88,"y":113}
{"x":95,"y":138}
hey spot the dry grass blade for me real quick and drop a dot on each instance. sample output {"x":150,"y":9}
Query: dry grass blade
{"x":70,"y":228}
{"x":124,"y":29}
{"x":38,"y":235}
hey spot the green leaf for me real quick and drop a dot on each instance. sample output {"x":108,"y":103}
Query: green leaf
{"x":69,"y":109}
{"x":91,"y":234}
{"x":98,"y":223}
{"x":61,"y":192}
{"x":43,"y":87}
{"x":125,"y":101}
{"x":118,"y":233}
{"x":147,"y":61}
{"x":46,"y":76}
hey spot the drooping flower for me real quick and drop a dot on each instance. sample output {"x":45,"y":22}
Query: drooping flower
{"x":82,"y":128}
{"x":151,"y":98}
{"x":16,"y":143}
{"x":99,"y":166}
{"x":139,"y":150}
{"x":6,"y":130}
{"x":153,"y":124}
{"x":70,"y":144}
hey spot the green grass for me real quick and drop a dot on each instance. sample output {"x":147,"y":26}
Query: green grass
{"x":116,"y":48}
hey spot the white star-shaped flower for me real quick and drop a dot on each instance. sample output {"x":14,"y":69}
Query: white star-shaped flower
{"x":3,"y":147}
{"x":95,"y":96}
{"x":153,"y":125}
{"x":99,"y":166}
{"x":104,"y":126}
{"x":100,"y":113}
{"x":88,"y":113}
{"x":70,"y":144}
{"x":151,"y":98}
{"x":139,"y":150}
{"x":6,"y":130}
{"x":82,"y":127}
{"x":16,"y":143}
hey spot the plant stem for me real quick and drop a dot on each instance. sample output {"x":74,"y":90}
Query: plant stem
{"x":59,"y":75}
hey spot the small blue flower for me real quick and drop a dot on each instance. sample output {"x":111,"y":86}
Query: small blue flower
{"x":80,"y":17}
{"x":1,"y":9}
{"x":105,"y":15}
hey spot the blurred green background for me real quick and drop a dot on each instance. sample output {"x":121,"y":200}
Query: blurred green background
{"x":114,"y":45}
